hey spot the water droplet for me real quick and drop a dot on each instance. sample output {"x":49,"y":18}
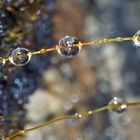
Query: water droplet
{"x":78,"y":115}
{"x":2,"y":61}
{"x":118,"y":105}
{"x":137,"y":39}
{"x":68,"y":46}
{"x":20,"y":57}
{"x":90,"y":112}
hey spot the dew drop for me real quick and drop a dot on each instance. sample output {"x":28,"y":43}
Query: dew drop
{"x":20,"y":56}
{"x":78,"y":115}
{"x":2,"y":61}
{"x":69,"y":46}
{"x":137,"y":39}
{"x":90,"y":112}
{"x":118,"y":105}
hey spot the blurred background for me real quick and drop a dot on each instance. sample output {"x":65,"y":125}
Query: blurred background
{"x":89,"y":80}
{"x":92,"y":78}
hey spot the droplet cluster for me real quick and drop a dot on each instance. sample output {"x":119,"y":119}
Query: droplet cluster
{"x":67,"y":47}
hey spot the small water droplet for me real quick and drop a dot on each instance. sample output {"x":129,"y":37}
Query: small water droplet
{"x":118,"y":105}
{"x":78,"y":115}
{"x":137,"y":39}
{"x":90,"y":112}
{"x":68,"y":46}
{"x":20,"y":56}
{"x":2,"y":61}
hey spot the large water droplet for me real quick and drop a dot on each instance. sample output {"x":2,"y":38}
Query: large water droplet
{"x":68,"y":46}
{"x":20,"y":57}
